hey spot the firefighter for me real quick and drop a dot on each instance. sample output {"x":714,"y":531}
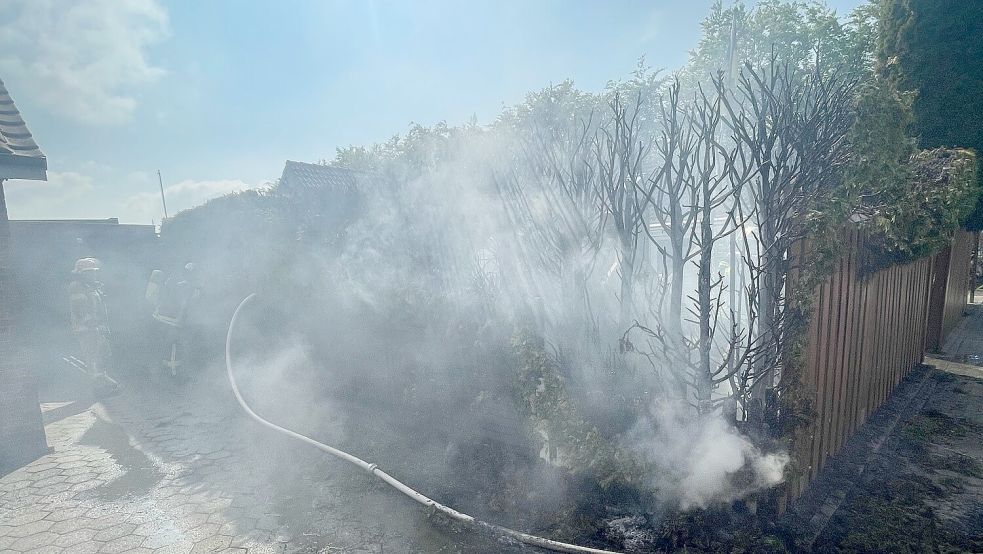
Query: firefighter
{"x":152,"y":294}
{"x":173,"y":302}
{"x":90,"y":324}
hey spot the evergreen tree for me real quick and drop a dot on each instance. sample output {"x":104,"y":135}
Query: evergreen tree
{"x":935,"y":48}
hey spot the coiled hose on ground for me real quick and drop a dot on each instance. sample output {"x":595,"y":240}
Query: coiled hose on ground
{"x":389,"y":479}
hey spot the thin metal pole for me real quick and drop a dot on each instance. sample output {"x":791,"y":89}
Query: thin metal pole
{"x":733,"y":297}
{"x":160,"y":181}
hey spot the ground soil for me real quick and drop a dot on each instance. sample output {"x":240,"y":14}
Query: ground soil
{"x":921,"y":491}
{"x":157,"y":462}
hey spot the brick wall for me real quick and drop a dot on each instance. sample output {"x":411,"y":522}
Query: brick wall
{"x":21,"y":430}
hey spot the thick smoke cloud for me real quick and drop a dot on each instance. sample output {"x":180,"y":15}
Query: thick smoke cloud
{"x":490,"y":276}
{"x":430,"y":280}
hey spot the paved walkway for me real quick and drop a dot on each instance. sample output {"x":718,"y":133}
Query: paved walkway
{"x":183,"y":471}
{"x":963,"y":348}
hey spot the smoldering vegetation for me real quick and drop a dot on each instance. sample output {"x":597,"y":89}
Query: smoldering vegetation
{"x":572,"y":319}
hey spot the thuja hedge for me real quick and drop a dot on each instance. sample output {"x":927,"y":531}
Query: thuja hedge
{"x":919,"y":217}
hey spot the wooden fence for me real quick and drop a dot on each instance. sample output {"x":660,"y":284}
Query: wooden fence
{"x":950,"y":288}
{"x":866,"y":333}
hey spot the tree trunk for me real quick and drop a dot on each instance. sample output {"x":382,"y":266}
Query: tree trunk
{"x":704,"y":380}
{"x":627,"y":282}
{"x":676,"y":292}
{"x":767,"y":294}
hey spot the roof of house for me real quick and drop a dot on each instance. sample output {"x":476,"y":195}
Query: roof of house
{"x":20,"y":156}
{"x":300,"y":175}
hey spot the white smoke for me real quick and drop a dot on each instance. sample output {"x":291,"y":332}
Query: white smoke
{"x":700,"y":461}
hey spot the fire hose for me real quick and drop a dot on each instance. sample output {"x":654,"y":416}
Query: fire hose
{"x":376,"y":471}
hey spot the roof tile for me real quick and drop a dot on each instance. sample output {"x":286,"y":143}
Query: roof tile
{"x":20,"y":156}
{"x":300,"y":176}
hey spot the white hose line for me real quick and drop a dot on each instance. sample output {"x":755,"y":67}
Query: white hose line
{"x":392,"y":481}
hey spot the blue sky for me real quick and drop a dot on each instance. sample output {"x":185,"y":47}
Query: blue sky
{"x":218,"y":94}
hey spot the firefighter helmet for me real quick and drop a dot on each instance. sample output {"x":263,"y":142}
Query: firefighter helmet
{"x":86,"y":264}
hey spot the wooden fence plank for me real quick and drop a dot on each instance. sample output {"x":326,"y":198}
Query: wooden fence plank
{"x":833,"y":363}
{"x":819,"y":370}
{"x":846,"y":364}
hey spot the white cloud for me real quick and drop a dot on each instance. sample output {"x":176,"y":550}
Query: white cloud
{"x":97,"y":191}
{"x":83,"y":59}
{"x":61,"y":196}
{"x":145,"y":206}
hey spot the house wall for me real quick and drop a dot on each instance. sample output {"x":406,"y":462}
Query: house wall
{"x":21,"y":431}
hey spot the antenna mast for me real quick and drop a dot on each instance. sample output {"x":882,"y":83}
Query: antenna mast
{"x":163,"y":202}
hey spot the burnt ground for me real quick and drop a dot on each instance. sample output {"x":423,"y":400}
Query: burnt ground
{"x":180,"y":469}
{"x":920,"y":491}
{"x":925,"y":490}
{"x":173,"y":471}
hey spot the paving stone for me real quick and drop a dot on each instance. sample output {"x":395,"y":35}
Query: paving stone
{"x":88,"y":485}
{"x":83,"y":548}
{"x":183,"y":547}
{"x":194,"y":520}
{"x":54,"y":479}
{"x":52,"y":490}
{"x":215,"y":543}
{"x":78,"y":478}
{"x":20,"y":484}
{"x":33,"y":542}
{"x":184,"y":510}
{"x":47,"y":550}
{"x":26,"y":517}
{"x":40,"y":466}
{"x":202,"y":531}
{"x":31,"y":528}
{"x":101,"y":511}
{"x":228,"y":529}
{"x":105,"y":522}
{"x":122,"y":544}
{"x":214,"y":488}
{"x":151,"y":528}
{"x":70,"y":456}
{"x":75,"y":537}
{"x":21,"y":475}
{"x":276,"y":548}
{"x":115,"y":532}
{"x":50,"y":472}
{"x":163,"y":537}
{"x":75,"y":524}
{"x":140,"y":518}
